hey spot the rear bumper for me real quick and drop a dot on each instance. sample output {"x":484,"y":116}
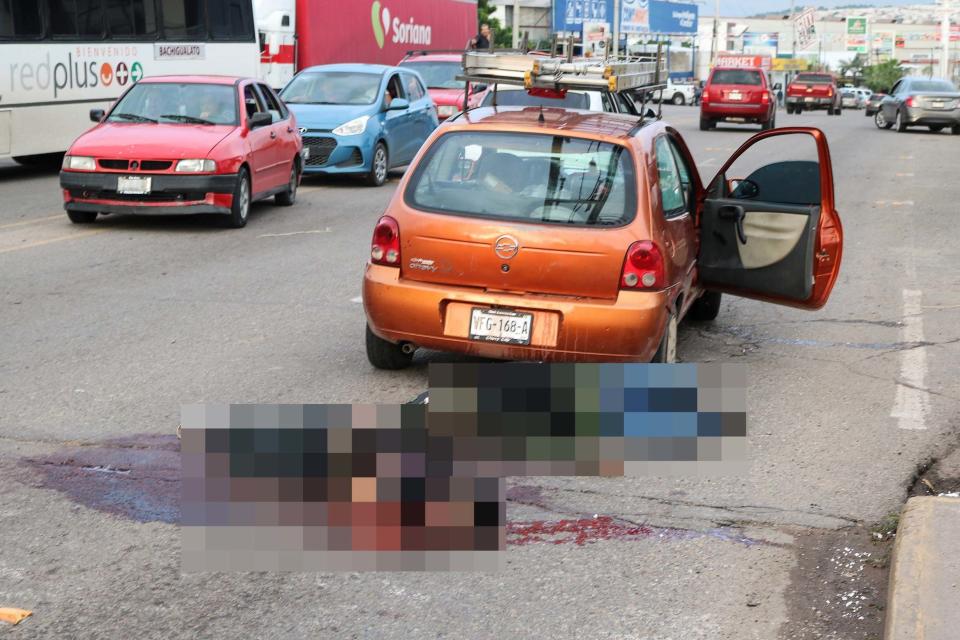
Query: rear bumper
{"x":807,"y":103}
{"x":169,"y":194}
{"x":627,"y":329}
{"x":946,"y":117}
{"x":726,"y":110}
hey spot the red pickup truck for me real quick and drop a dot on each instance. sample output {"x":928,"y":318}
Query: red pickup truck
{"x":809,"y":91}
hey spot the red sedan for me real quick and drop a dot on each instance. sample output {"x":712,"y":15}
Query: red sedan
{"x":185,"y":145}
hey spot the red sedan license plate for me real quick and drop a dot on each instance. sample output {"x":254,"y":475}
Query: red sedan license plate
{"x":133,"y":185}
{"x":735,"y":95}
{"x":500,"y":325}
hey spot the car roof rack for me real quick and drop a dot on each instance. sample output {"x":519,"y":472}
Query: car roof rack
{"x":634,"y":73}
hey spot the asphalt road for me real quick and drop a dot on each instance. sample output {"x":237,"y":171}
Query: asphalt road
{"x":106,"y":330}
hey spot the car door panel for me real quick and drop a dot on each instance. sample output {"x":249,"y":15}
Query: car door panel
{"x":781,"y":242}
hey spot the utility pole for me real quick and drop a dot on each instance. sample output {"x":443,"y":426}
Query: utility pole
{"x":793,"y":29}
{"x":716,"y":28}
{"x":516,"y":24}
{"x":945,"y":41}
{"x":616,"y":28}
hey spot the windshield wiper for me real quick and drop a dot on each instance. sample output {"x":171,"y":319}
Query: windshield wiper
{"x":309,"y":102}
{"x":132,"y":116}
{"x":189,"y":119}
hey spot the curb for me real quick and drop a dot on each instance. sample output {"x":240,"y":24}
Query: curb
{"x":924,"y":592}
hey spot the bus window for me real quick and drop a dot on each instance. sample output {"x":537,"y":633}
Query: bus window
{"x":20,"y":20}
{"x":73,"y":18}
{"x":230,"y":19}
{"x":184,"y":20}
{"x":131,"y":17}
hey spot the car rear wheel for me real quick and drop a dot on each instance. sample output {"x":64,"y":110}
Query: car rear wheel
{"x":240,"y":209}
{"x":667,"y":352}
{"x":706,"y":124}
{"x":288,"y":197}
{"x":706,"y":307}
{"x":383,"y":354}
{"x":378,"y":166}
{"x":955,"y":129}
{"x":678,"y":99}
{"x":881,"y":120}
{"x":899,"y":124}
{"x":82,"y":217}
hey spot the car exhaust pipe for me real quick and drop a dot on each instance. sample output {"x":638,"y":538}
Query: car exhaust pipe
{"x":408,"y":348}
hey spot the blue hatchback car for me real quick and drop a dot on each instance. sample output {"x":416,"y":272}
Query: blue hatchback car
{"x":360,"y":118}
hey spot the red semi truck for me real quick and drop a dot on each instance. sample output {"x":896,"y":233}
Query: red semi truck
{"x":295,"y":34}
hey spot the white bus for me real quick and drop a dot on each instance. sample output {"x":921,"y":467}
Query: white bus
{"x":61,"y":58}
{"x":276,"y":21}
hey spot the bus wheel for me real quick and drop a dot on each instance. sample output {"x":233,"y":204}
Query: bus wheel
{"x":82,"y":217}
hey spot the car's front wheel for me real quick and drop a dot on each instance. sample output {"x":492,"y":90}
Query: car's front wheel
{"x":82,"y":217}
{"x":678,"y":99}
{"x":288,"y":197}
{"x":899,"y":124}
{"x":384,"y":354}
{"x":378,"y":166}
{"x":240,"y":209}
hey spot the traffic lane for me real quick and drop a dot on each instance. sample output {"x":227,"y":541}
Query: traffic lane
{"x":109,"y":334}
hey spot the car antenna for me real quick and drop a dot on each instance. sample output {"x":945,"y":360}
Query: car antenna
{"x":540,"y":117}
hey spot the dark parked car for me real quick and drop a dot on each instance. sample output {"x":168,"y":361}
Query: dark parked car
{"x":873,"y":104}
{"x":921,"y":102}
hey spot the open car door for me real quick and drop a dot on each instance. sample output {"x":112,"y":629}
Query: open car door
{"x":768,"y":226}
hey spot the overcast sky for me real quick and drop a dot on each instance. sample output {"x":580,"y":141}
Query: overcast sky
{"x":750,"y":7}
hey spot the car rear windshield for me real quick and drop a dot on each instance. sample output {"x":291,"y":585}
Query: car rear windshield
{"x":736,"y":76}
{"x":526,"y":177}
{"x":931,"y":85}
{"x":178,"y":103}
{"x":814,"y":78}
{"x":332,"y":87}
{"x":517,"y":98}
{"x":437,"y":75}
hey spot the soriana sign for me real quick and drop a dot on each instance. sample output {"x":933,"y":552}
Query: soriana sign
{"x":739,"y":61}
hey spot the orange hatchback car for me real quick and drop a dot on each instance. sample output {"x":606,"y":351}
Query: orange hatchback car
{"x":551,"y":234}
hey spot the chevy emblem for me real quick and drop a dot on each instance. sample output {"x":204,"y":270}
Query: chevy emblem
{"x":506,"y":247}
{"x":303,"y":130}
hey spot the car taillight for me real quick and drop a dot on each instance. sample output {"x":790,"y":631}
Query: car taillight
{"x":385,"y":247}
{"x":705,"y":96}
{"x":830,"y":91}
{"x":765,"y":98}
{"x":643,"y":267}
{"x":911,"y":102}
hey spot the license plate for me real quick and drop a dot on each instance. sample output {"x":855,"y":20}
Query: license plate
{"x":937,"y":104}
{"x":811,"y":99}
{"x":735,"y":95}
{"x":500,"y":325}
{"x":133,"y":185}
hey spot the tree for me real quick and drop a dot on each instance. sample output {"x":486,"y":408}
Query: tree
{"x":882,"y":77}
{"x":501,"y":37}
{"x":852,"y":69}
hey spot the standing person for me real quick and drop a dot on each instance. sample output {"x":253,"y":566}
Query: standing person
{"x":484,"y":38}
{"x":780,"y":97}
{"x":697,"y":92}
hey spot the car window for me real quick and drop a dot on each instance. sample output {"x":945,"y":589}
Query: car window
{"x":626,"y":104}
{"x":415,"y":90}
{"x":608,"y":104}
{"x":438,"y":75}
{"x":931,"y":85}
{"x":815,"y":78}
{"x":684,"y":172}
{"x":274,"y":106}
{"x":178,"y":103}
{"x":671,"y":186}
{"x":252,"y":101}
{"x":529,"y":177}
{"x":897,"y":87}
{"x":332,"y":87}
{"x":520,"y":98}
{"x":395,"y":88}
{"x":737,"y":76}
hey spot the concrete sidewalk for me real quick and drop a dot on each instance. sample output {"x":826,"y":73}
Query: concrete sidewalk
{"x":924,"y":596}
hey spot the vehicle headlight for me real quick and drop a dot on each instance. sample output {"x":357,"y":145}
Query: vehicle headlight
{"x":196,"y":165}
{"x":446,"y":110}
{"x":352,"y":128}
{"x":79,"y":163}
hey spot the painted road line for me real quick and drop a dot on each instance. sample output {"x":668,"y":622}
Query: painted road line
{"x":59,"y":216}
{"x":40,"y":243}
{"x":358,"y":299}
{"x":294,"y":233}
{"x":911,"y":405}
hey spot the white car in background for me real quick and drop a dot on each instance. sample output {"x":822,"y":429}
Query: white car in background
{"x":676,"y":93}
{"x":515,"y":96}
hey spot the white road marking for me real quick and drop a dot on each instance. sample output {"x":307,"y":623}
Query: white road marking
{"x":905,"y":175}
{"x":708,"y":162}
{"x":59,"y":216}
{"x":358,"y":299}
{"x":294,"y":233}
{"x":912,"y":404}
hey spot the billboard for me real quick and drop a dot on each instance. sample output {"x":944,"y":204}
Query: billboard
{"x":804,"y":26}
{"x":761,"y":43}
{"x":636,"y":16}
{"x":857,"y":34}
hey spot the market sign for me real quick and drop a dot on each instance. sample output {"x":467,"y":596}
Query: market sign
{"x":739,"y":61}
{"x":857,"y":35}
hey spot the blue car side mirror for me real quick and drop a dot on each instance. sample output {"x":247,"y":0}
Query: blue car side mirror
{"x":398,"y":104}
